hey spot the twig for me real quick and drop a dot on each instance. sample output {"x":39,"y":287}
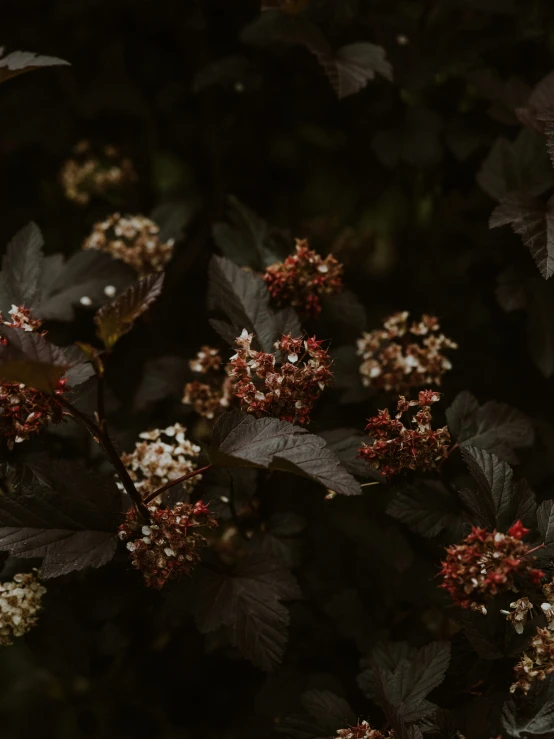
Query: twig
{"x":171,"y":483}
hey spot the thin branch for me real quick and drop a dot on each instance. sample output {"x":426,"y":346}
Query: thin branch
{"x":171,"y":483}
{"x":102,"y":437}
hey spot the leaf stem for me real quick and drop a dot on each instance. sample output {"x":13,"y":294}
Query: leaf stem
{"x":101,"y":437}
{"x":535,"y":549}
{"x":171,"y":483}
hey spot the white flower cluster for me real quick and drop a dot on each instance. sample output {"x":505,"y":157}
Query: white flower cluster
{"x":164,"y":455}
{"x":20,"y":601}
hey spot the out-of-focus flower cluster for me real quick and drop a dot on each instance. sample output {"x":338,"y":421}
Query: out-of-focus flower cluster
{"x":132,"y":239}
{"x":213,"y":395}
{"x":363,"y":730}
{"x":288,"y":391}
{"x":24,"y":410}
{"x":395,"y":448}
{"x":404,"y":355}
{"x":91,"y":174}
{"x":162,"y":456}
{"x":20,"y":602}
{"x":537,"y":661}
{"x":303,"y":279}
{"x":168,"y":546}
{"x":486,"y":563}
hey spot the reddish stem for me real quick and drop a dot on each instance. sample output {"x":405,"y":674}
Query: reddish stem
{"x":171,"y":483}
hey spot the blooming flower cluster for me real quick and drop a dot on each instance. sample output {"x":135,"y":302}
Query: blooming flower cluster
{"x":212,"y":396}
{"x":536,"y":663}
{"x":24,"y":410}
{"x":518,"y":613}
{"x":395,"y":448}
{"x":404,"y":355}
{"x":20,"y":602}
{"x":485,"y":564}
{"x":303,"y":279}
{"x":88,"y":174}
{"x":363,"y":730}
{"x":288,"y":391}
{"x":163,"y":455}
{"x":167,"y":547}
{"x":132,"y":239}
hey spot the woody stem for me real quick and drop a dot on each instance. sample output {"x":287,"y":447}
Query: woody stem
{"x":171,"y":483}
{"x":536,"y":549}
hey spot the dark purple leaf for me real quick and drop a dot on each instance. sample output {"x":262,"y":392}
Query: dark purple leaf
{"x":353,"y":66}
{"x":18,"y":62}
{"x":21,"y":269}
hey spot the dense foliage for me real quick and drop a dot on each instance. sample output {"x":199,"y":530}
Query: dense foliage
{"x":276,"y":361}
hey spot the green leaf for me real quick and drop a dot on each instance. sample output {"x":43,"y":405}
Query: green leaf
{"x":116,"y":318}
{"x":239,"y":440}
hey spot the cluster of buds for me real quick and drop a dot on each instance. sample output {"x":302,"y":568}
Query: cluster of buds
{"x":402,"y":355}
{"x":213,"y":395}
{"x":485,"y":564}
{"x":288,"y":391}
{"x":396,"y":448}
{"x":363,"y":730}
{"x":536,"y":663}
{"x":303,"y":279}
{"x":24,"y":410}
{"x":20,"y":602}
{"x":132,"y":239}
{"x":168,"y":546}
{"x":162,"y":456}
{"x":518,"y":613}
{"x":95,"y":174}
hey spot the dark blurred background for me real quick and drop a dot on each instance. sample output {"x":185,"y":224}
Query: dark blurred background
{"x":396,"y":180}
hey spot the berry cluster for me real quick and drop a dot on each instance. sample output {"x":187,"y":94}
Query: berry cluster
{"x":132,"y":239}
{"x":24,"y":410}
{"x":536,"y":663}
{"x":303,"y":279}
{"x":288,"y":391}
{"x":164,"y":455}
{"x":91,"y":174}
{"x":485,"y":564}
{"x":168,"y":546}
{"x":395,"y":448}
{"x":402,"y":355}
{"x":20,"y":602}
{"x":363,"y":730}
{"x":212,"y":396}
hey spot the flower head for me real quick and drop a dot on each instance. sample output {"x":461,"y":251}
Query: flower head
{"x":404,"y":355}
{"x":91,"y":174}
{"x":214,"y":393}
{"x":20,"y":602}
{"x":169,"y":545}
{"x":303,"y":279}
{"x":163,"y":455}
{"x":363,"y":730}
{"x":536,"y":663}
{"x":23,"y":410}
{"x":395,"y":447}
{"x":132,"y":239}
{"x":518,"y":613}
{"x":485,"y":564}
{"x":287,"y":391}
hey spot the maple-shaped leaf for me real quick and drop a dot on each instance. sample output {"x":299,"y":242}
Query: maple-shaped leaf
{"x":541,"y":101}
{"x":29,"y":359}
{"x":531,"y":219}
{"x":248,"y":605}
{"x":496,"y":427}
{"x":244,"y":299}
{"x":116,"y":318}
{"x":402,"y":691}
{"x":247,"y":240}
{"x":88,"y":278}
{"x":21,"y":269}
{"x":61,"y":512}
{"x":323,"y":714}
{"x":519,"y":165}
{"x":345,"y":443}
{"x":498,"y":501}
{"x":428,"y":508}
{"x":239,"y":440}
{"x":533,"y":717}
{"x":18,"y":62}
{"x":351,"y":67}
